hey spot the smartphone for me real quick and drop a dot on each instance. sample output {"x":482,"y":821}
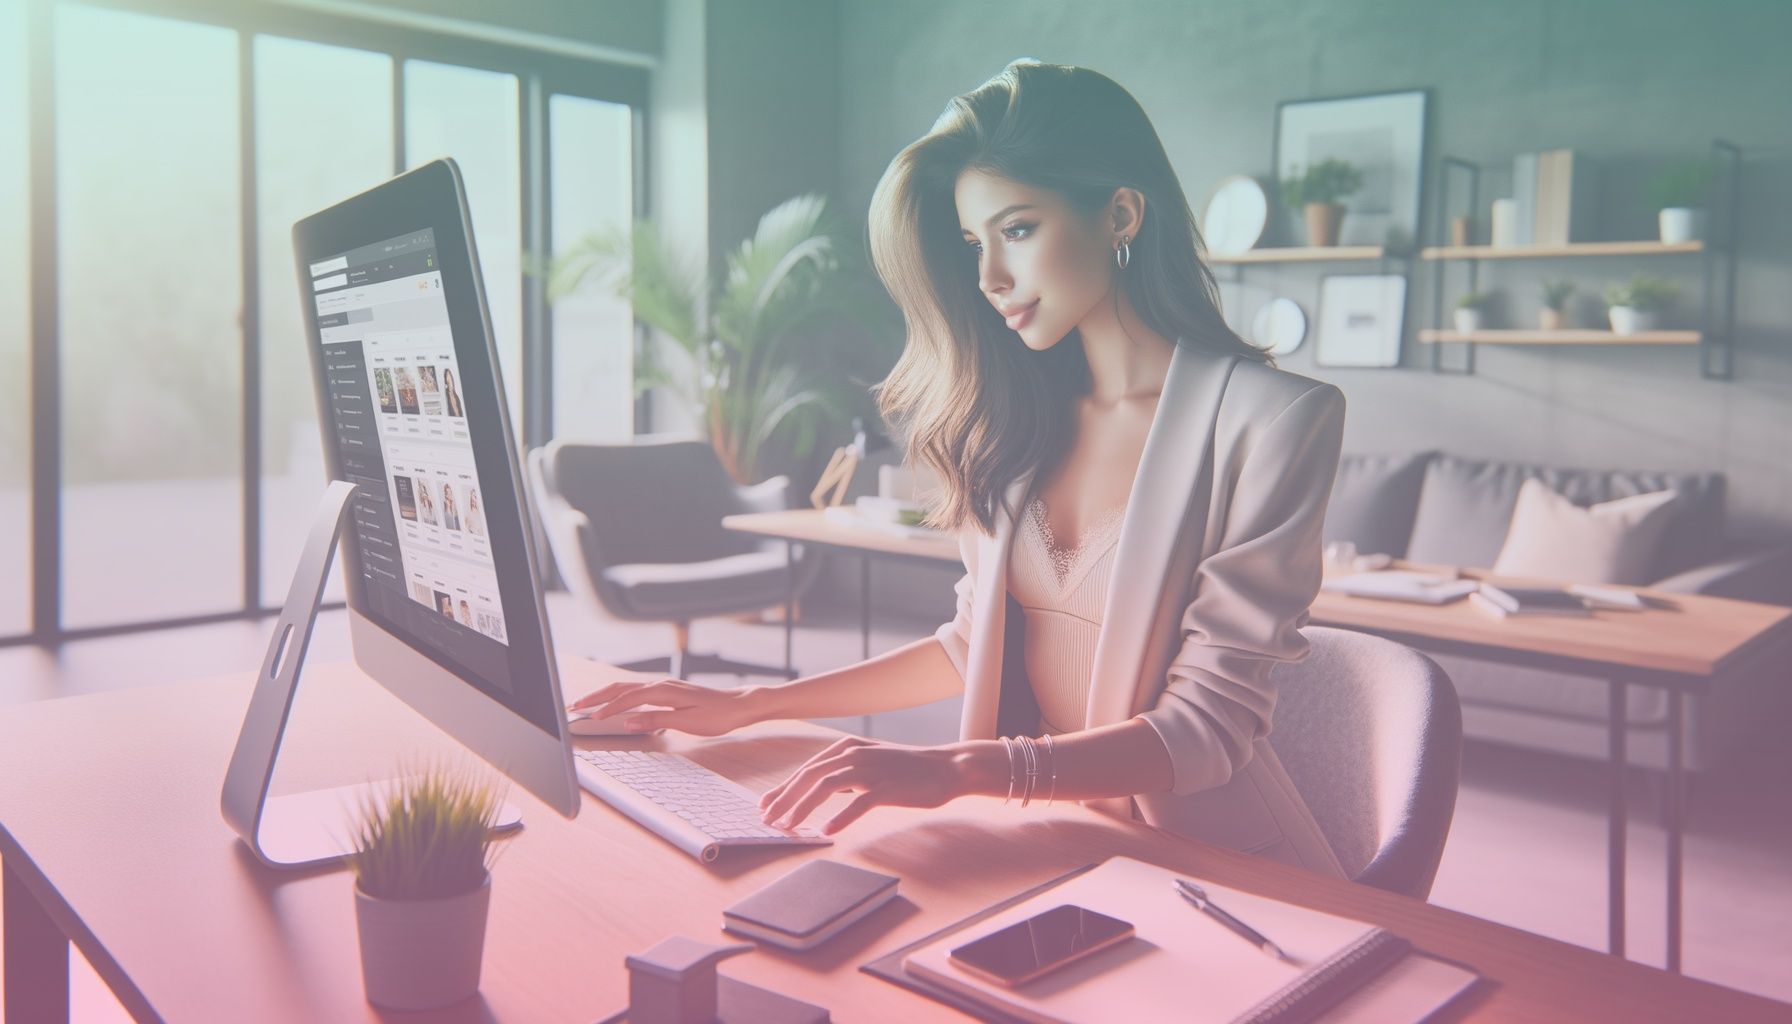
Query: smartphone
{"x":1039,"y":945}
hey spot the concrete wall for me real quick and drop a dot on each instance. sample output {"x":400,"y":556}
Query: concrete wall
{"x":1632,"y":83}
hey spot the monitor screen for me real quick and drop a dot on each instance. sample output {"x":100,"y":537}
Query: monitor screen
{"x":435,"y":546}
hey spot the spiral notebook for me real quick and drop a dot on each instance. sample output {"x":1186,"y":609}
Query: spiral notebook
{"x":1182,"y":965}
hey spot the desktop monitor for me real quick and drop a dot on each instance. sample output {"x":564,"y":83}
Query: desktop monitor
{"x":444,"y":601}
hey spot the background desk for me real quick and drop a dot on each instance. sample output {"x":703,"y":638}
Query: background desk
{"x":110,"y":834}
{"x":1680,"y":645}
{"x":812,"y":527}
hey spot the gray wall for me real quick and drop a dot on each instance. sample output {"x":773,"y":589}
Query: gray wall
{"x":1633,"y":83}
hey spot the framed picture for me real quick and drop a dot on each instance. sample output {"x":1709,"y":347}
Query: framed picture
{"x":1383,"y":136}
{"x":1361,"y":317}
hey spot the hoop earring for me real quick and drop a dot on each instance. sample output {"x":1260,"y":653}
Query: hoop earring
{"x":1123,"y":252}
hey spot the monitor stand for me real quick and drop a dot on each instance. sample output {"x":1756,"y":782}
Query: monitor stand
{"x":300,"y":829}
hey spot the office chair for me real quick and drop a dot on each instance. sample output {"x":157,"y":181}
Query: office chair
{"x":636,"y":532}
{"x":1370,"y":733}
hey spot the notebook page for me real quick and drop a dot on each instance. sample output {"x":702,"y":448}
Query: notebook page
{"x":1180,"y":961}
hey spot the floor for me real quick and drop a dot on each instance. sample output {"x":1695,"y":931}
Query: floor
{"x":1527,"y":847}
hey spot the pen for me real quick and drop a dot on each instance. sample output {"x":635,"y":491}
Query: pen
{"x":1198,"y":896}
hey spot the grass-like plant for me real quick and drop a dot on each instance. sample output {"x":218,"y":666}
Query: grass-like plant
{"x":1473,"y":300}
{"x":1325,"y":182}
{"x":1643,"y":292}
{"x":1556,"y":292}
{"x":426,"y":836}
{"x":1682,"y":184}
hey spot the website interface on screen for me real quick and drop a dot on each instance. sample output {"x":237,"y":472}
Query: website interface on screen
{"x":396,"y":397}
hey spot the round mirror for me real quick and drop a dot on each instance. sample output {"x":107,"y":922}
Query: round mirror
{"x":1280,"y":325}
{"x":1235,"y":216}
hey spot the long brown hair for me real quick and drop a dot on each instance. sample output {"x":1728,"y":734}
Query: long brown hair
{"x":975,"y":405}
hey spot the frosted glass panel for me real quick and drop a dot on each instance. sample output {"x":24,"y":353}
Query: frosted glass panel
{"x":591,"y":158}
{"x":471,"y":115}
{"x":304,"y":92}
{"x":149,"y":233}
{"x":15,"y":329}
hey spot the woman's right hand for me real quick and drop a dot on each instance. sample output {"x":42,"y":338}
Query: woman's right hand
{"x":687,"y":707}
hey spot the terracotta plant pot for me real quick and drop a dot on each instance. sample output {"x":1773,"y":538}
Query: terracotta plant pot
{"x":1322,"y":223}
{"x":1550,"y":319}
{"x":422,"y":954}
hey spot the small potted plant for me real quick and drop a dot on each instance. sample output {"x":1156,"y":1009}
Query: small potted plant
{"x":1636,"y":304}
{"x":422,"y":870}
{"x":1317,"y":193}
{"x":1468,"y":312}
{"x":1553,"y":315}
{"x":1677,"y":194}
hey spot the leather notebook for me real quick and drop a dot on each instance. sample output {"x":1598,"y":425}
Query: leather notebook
{"x":810,"y":904}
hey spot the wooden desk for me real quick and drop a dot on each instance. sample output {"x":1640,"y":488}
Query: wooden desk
{"x":110,"y":834}
{"x":1680,"y":644}
{"x":812,"y":527}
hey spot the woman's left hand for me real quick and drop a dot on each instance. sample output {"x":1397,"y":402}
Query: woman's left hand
{"x":881,"y":773}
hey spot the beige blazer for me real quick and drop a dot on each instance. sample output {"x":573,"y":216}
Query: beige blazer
{"x":1219,"y":559}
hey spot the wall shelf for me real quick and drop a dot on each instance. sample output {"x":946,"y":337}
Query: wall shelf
{"x":1530,"y":252}
{"x":1565,"y":337}
{"x":1716,"y":325}
{"x":1307,"y":254}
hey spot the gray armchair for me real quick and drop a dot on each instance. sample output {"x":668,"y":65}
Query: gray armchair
{"x":636,"y":533}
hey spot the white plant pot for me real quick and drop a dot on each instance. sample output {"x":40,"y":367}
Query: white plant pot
{"x":422,"y":954}
{"x":1468,"y":321}
{"x":1630,"y":320}
{"x":1681,"y":224}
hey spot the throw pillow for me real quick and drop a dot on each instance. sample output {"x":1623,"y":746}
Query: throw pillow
{"x":1611,"y":542}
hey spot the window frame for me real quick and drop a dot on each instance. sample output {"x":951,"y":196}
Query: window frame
{"x":540,"y":74}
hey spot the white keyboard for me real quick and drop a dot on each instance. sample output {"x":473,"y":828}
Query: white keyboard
{"x":683,"y":802}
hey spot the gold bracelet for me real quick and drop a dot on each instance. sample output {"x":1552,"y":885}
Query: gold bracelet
{"x":1031,"y":754}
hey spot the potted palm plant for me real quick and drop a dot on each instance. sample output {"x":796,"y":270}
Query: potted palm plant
{"x":1553,"y":315}
{"x":1636,"y":304}
{"x":1677,"y":195}
{"x":1317,"y":193}
{"x":1468,"y":312}
{"x":741,"y":356}
{"x":422,"y":866}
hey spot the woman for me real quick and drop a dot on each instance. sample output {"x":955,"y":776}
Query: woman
{"x":454,"y":408}
{"x":1138,"y":492}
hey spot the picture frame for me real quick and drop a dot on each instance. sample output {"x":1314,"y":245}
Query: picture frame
{"x":1383,"y":135}
{"x":1362,"y":318}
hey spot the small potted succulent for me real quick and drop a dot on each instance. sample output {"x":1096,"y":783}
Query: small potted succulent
{"x":1468,"y":312}
{"x":1317,"y":193}
{"x":1556,"y":292}
{"x":1677,"y":195}
{"x":422,"y":865}
{"x":1636,"y":304}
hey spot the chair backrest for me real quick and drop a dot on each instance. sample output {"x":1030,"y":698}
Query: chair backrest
{"x":1370,"y":732}
{"x":650,"y":500}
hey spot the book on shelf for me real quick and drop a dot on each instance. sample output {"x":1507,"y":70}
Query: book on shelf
{"x":1505,"y":600}
{"x":1554,"y":195}
{"x":1524,"y":192}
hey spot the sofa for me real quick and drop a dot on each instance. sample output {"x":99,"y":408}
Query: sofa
{"x":1435,"y":507}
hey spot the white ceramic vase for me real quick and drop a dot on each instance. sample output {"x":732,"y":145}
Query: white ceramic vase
{"x":1630,"y":320}
{"x":1468,"y":320}
{"x":1681,"y":224}
{"x":422,"y":954}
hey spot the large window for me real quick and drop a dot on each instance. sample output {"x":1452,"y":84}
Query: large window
{"x":592,"y":153}
{"x":472,"y":116}
{"x":304,"y":92}
{"x":15,"y":329}
{"x":179,"y":456}
{"x":149,"y":234}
